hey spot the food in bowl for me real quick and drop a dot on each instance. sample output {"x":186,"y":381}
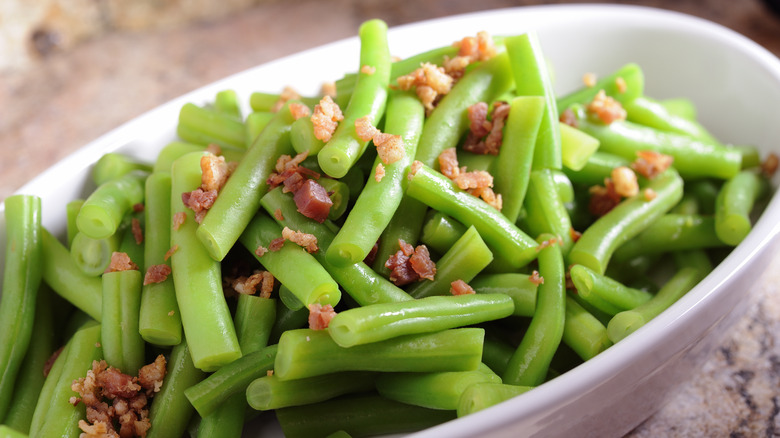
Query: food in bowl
{"x":368,"y":335}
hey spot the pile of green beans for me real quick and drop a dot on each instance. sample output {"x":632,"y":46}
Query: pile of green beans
{"x":553,"y":284}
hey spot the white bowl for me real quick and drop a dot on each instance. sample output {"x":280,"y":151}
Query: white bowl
{"x":736,"y":86}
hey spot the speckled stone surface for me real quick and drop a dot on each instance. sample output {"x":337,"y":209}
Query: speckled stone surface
{"x":71,"y":98}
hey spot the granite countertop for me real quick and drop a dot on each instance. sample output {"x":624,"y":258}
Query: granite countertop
{"x":68,"y":99}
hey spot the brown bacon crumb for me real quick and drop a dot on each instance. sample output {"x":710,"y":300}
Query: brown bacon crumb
{"x":485,"y":136}
{"x":199,"y":201}
{"x":470,"y":49}
{"x":535,"y":278}
{"x":178,"y":219}
{"x":606,"y":108}
{"x":214,"y":148}
{"x":574,"y":234}
{"x":477,"y":183}
{"x":261,"y":250}
{"x":138,"y":208}
{"x":430,"y":82}
{"x":770,"y":164}
{"x":603,"y":198}
{"x":422,"y":264}
{"x":389,"y":147}
{"x":371,"y":256}
{"x":170,"y":252}
{"x":567,"y":117}
{"x":368,"y":70}
{"x":248,"y":285}
{"x":621,"y":85}
{"x":326,"y":118}
{"x":406,"y":248}
{"x":460,"y":287}
{"x":651,"y":163}
{"x":50,"y":361}
{"x":476,"y":179}
{"x":138,"y":233}
{"x":313,"y":201}
{"x":299,"y":110}
{"x":288,"y":93}
{"x":304,"y":240}
{"x":320,"y":316}
{"x":276,"y":244}
{"x":157,"y":274}
{"x":328,"y":89}
{"x":170,"y":313}
{"x":625,"y":181}
{"x":414,"y":168}
{"x":150,"y":376}
{"x":410,"y":264}
{"x":589,"y":79}
{"x":448,"y":163}
{"x":269,"y":373}
{"x":649,"y":194}
{"x":379,"y":172}
{"x":548,"y":243}
{"x":120,"y":261}
{"x":215,"y":172}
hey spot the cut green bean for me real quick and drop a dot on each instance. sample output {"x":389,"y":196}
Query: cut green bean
{"x":648,"y":112}
{"x":576,"y":147}
{"x":114,"y":165}
{"x":440,"y":232}
{"x":47,"y":390}
{"x":546,"y":212}
{"x":258,"y":315}
{"x":583,"y":332}
{"x":287,"y":319}
{"x":598,"y":167}
{"x":339,"y":194}
{"x":174,"y":150}
{"x":267,"y":101}
{"x":484,"y":395}
{"x":306,"y":353}
{"x":123,"y":347}
{"x":71,"y":212}
{"x":104,"y":209}
{"x":496,"y":353}
{"x":632,"y":78}
{"x":204,"y":126}
{"x":226,"y":102}
{"x":517,"y":286}
{"x":604,"y":293}
{"x":734,"y":203}
{"x":680,"y":107}
{"x":270,"y":392}
{"x":303,"y":139}
{"x":92,"y":256}
{"x":672,"y":232}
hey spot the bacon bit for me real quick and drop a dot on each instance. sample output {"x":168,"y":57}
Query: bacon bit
{"x":214,"y":148}
{"x":430,"y":82}
{"x":287,"y":162}
{"x":422,"y":264}
{"x":313,"y":201}
{"x":261,"y":250}
{"x":489,"y":196}
{"x":547,"y":243}
{"x":477,"y":183}
{"x":276,"y":244}
{"x":574,"y":234}
{"x":120,"y":261}
{"x":371,"y":256}
{"x":568,"y":117}
{"x":406,"y":248}
{"x":485,"y":135}
{"x":448,"y":163}
{"x":269,"y":373}
{"x":50,"y":361}
{"x":477,"y":179}
{"x":651,"y":163}
{"x":460,"y":287}
{"x":170,"y":252}
{"x":150,"y":376}
{"x":304,"y":240}
{"x":414,"y":168}
{"x":97,"y":430}
{"x":178,"y":219}
{"x":326,"y":118}
{"x":621,"y":85}
{"x":278,"y":214}
{"x":199,"y":201}
{"x":569,"y":283}
{"x":289,"y":172}
{"x":299,"y":110}
{"x":770,"y":164}
{"x":138,"y":233}
{"x":379,"y":172}
{"x":170,"y":313}
{"x":589,"y":79}
{"x":389,"y":147}
{"x":287,"y":94}
{"x":320,"y":316}
{"x":603,"y":199}
{"x":157,"y":274}
{"x":470,"y":50}
{"x":479,"y":124}
{"x":215,"y":172}
{"x":649,"y":194}
{"x":364,"y":129}
{"x":410,"y":264}
{"x":401,"y":273}
{"x":535,"y":278}
{"x":606,"y":108}
{"x":625,"y":181}
{"x":368,"y":70}
{"x":138,"y":208}
{"x":248,"y":285}
{"x":328,"y":89}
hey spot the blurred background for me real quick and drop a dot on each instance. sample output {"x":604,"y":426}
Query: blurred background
{"x":71,"y":70}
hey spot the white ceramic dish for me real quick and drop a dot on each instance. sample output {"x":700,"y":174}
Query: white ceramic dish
{"x":736,"y":86}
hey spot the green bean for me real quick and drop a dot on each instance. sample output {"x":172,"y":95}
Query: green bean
{"x":9,"y":432}
{"x":29,"y":380}
{"x":496,"y":353}
{"x":72,"y":209}
{"x":92,"y":256}
{"x":463,"y":261}
{"x":440,"y":232}
{"x":598,"y":167}
{"x":474,"y":161}
{"x":439,"y":390}
{"x":360,"y":281}
{"x":128,"y":243}
{"x":306,"y":353}
{"x":751,"y":157}
{"x":123,"y":347}
{"x":61,"y":274}
{"x":226,"y":421}
{"x":368,"y":100}
{"x":198,"y":281}
{"x":289,"y":299}
{"x":171,"y":411}
{"x":159,"y":321}
{"x":379,"y":200}
{"x":291,"y":265}
{"x":379,"y":322}
{"x":672,"y":232}
{"x":629,"y":321}
{"x":734,"y":203}
{"x":576,"y":147}
{"x":303,"y":139}
{"x":448,"y":121}
{"x":232,"y":378}
{"x":114,"y":165}
{"x":61,"y":417}
{"x":270,"y":392}
{"x":516,"y":158}
{"x":532,"y":79}
{"x":102,"y":212}
{"x":47,"y":390}
{"x":358,"y":416}
{"x":545,"y":210}
{"x":21,"y":281}
{"x":604,"y":293}
{"x":176,"y":149}
{"x":583,"y":332}
{"x":680,"y":107}
{"x":517,"y":286}
{"x":204,"y":126}
{"x":258,"y":315}
{"x":484,"y":395}
{"x":634,"y":86}
{"x":706,"y":193}
{"x":255,"y":123}
{"x":529,"y":364}
{"x":226,"y":102}
{"x":648,"y":112}
{"x":339,"y":194}
{"x":506,"y":240}
{"x":287,"y":319}
{"x":266,"y":101}
{"x":696,"y":259}
{"x":596,"y":245}
{"x":688,"y":205}
{"x":406,"y":225}
{"x":239,"y":199}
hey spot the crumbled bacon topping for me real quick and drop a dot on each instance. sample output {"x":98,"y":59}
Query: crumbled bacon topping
{"x":178,"y":219}
{"x":116,"y":403}
{"x":485,"y":136}
{"x":770,"y":164}
{"x":568,"y":117}
{"x":651,"y":163}
{"x":50,"y":361}
{"x":649,"y":194}
{"x":276,"y":244}
{"x":288,"y":93}
{"x":574,"y":234}
{"x":410,"y":264}
{"x":214,"y":148}
{"x":429,"y":81}
{"x":304,"y":240}
{"x":414,"y":168}
{"x":390,"y":148}
{"x":248,"y":285}
{"x":548,"y":243}
{"x":470,"y":49}
{"x":606,"y":108}
{"x":299,"y":110}
{"x":313,"y":201}
{"x":371,"y":256}
{"x":460,"y":287}
{"x":199,"y":201}
{"x":278,"y":214}
{"x":170,"y":252}
{"x":379,"y":172}
{"x":535,"y":278}
{"x":261,"y":250}
{"x":157,"y":274}
{"x":621,"y":85}
{"x":120,"y":261}
{"x":138,"y":233}
{"x":603,"y":198}
{"x":625,"y":181}
{"x":320,"y":316}
{"x":326,"y":118}
{"x":448,"y":163}
{"x":328,"y":89}
{"x":478,"y":183}
{"x":215,"y":172}
{"x":138,"y":208}
{"x":589,"y":79}
{"x":368,"y":70}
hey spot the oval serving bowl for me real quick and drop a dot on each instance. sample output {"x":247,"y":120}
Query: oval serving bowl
{"x":736,"y":86}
